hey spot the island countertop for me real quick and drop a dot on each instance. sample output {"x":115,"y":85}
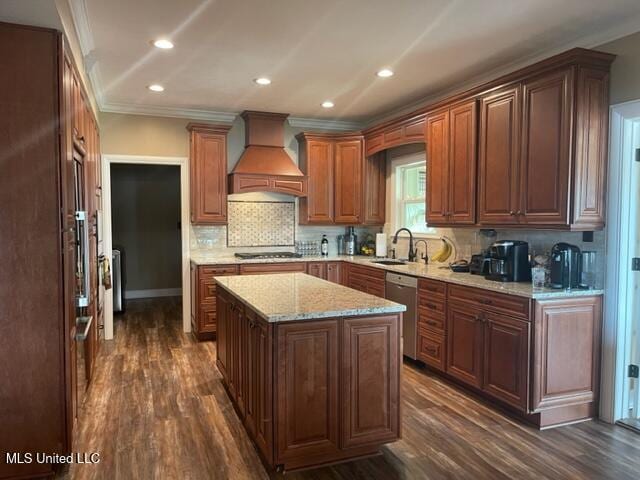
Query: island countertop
{"x":284,"y":297}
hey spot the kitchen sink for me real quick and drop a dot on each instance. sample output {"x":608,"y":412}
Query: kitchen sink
{"x":389,"y":262}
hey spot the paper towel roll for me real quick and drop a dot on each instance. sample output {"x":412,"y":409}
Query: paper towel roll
{"x":381,"y":245}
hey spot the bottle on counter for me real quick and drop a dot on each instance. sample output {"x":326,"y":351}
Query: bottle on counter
{"x":324,"y":246}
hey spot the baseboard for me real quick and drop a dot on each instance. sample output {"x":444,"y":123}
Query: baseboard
{"x":160,"y":292}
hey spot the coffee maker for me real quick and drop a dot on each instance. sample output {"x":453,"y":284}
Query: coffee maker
{"x":509,"y":261}
{"x":565,"y":266}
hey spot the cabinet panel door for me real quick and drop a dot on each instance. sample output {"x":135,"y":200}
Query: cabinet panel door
{"x":506,"y":359}
{"x":437,"y":137}
{"x":465,"y":343}
{"x":592,"y":121}
{"x":546,"y":140}
{"x":462,"y":164}
{"x":567,"y":351}
{"x":318,"y":165}
{"x":371,"y":379}
{"x":334,"y":270}
{"x":208,"y":178}
{"x":375,"y":179}
{"x":317,"y":269}
{"x":222,"y":338}
{"x":264,"y":388}
{"x":499,"y":157}
{"x":307,"y":396}
{"x":348,"y":184}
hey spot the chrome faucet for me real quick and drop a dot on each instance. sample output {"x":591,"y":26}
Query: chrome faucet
{"x":424,"y":257}
{"x":412,"y":253}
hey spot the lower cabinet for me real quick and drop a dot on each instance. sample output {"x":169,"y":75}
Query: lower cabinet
{"x":489,"y":351}
{"x":366,"y":279}
{"x":334,"y":272}
{"x":317,"y":269}
{"x":311,"y":392}
{"x":465,"y":343}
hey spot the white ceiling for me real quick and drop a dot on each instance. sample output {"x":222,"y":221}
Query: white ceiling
{"x":315,"y":50}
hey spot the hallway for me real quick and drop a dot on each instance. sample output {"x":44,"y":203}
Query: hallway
{"x":157,"y":410}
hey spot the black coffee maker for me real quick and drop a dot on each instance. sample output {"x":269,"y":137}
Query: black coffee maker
{"x":565,"y":266}
{"x":509,"y":261}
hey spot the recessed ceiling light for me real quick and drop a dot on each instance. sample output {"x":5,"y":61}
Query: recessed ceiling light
{"x":262,"y":81}
{"x":384,"y":73}
{"x":327,"y":104}
{"x":163,"y":43}
{"x":156,"y":88}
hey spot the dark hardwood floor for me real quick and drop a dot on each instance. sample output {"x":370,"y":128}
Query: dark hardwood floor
{"x":157,"y":410}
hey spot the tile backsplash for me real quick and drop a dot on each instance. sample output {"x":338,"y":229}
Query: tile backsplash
{"x":260,"y":224}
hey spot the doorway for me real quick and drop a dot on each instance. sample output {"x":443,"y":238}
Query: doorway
{"x":621,"y":334}
{"x":145,"y":228}
{"x":146,"y":214}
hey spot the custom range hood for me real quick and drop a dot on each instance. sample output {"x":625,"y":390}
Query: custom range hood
{"x":264,"y":165}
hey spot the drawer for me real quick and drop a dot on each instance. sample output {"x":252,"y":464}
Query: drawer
{"x":368,"y":272}
{"x":434,"y":322}
{"x":498,"y":302}
{"x":255,"y":268}
{"x":213,"y":270}
{"x":207,"y":319}
{"x":432,"y":304}
{"x":431,"y":349}
{"x":376,"y":288}
{"x":431,"y":288}
{"x":207,"y":291}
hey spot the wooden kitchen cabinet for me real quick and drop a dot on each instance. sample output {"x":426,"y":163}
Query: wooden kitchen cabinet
{"x":567,"y":355}
{"x":498,"y":157}
{"x":370,"y":364}
{"x":375,"y":187}
{"x":465,"y":343}
{"x":348,"y":181}
{"x":317,"y":269}
{"x":366,"y":279}
{"x":317,"y":162}
{"x":203,"y":298}
{"x":308,"y":360}
{"x":334,"y":166}
{"x":208,"y":173}
{"x":530,"y":173}
{"x":451,"y":176}
{"x":334,"y":272}
{"x":506,"y":359}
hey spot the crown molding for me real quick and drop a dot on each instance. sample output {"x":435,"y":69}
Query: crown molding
{"x":590,"y":41}
{"x":321,"y":124}
{"x":161,"y":111}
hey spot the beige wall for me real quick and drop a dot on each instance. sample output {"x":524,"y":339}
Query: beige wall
{"x":124,"y":134}
{"x":625,"y":71}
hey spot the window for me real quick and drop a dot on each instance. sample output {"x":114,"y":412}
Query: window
{"x":410,"y":193}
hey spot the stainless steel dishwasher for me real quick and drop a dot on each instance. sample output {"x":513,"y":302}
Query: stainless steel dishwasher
{"x":404,"y":289}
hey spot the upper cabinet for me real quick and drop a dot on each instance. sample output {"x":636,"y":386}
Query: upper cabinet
{"x":498,"y":157}
{"x":394,"y":133}
{"x":348,"y":181}
{"x":531,"y":175}
{"x":343,"y":187}
{"x":451,"y":158}
{"x":208,"y":173}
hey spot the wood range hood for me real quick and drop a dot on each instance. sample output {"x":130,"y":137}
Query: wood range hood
{"x":264,"y":165}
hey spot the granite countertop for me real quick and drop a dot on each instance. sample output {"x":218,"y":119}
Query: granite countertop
{"x":284,"y":297}
{"x":432,"y":271}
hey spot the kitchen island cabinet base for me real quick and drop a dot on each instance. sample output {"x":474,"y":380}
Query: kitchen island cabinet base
{"x":311,"y":392}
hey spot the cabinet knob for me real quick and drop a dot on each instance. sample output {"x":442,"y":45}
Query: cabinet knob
{"x":519,"y":212}
{"x":512,"y":213}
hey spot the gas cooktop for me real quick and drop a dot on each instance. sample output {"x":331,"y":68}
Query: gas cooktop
{"x":248,"y":256}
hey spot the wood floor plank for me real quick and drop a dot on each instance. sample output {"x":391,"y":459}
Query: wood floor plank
{"x":157,"y":409}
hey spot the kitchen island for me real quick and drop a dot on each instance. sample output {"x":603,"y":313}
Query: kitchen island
{"x":312,"y":367}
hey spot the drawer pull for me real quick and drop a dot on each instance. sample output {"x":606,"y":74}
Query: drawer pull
{"x":432,"y":350}
{"x":486,"y":301}
{"x":431,"y":306}
{"x":431,"y":322}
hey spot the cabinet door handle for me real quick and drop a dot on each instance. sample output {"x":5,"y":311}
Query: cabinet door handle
{"x":512,"y":213}
{"x":519,"y":212}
